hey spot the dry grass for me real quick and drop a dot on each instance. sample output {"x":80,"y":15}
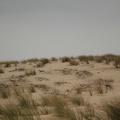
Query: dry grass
{"x":30,"y":72}
{"x":74,"y":63}
{"x":117,"y":62}
{"x":19,"y":90}
{"x":65,"y":59}
{"x":25,"y":101}
{"x":77,"y":100}
{"x":59,"y":105}
{"x":45,"y":101}
{"x":45,"y":111}
{"x":44,"y":61}
{"x":4,"y":93}
{"x":112,"y":108}
{"x":11,"y":111}
{"x":7,"y":64}
{"x":1,"y":71}
{"x":31,"y":89}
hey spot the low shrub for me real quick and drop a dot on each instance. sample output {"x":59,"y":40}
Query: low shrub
{"x":74,"y":63}
{"x":44,"y":61}
{"x":7,"y":64}
{"x":65,"y":59}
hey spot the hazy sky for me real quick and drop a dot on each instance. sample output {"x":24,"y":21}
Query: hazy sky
{"x":46,"y":28}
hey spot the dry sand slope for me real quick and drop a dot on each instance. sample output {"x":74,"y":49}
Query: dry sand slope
{"x":94,"y":82}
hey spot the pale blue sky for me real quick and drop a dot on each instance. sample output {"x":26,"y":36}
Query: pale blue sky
{"x":46,"y":28}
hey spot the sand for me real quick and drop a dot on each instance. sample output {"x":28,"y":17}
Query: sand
{"x":63,"y":78}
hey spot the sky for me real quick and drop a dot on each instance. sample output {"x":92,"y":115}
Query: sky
{"x":55,"y":28}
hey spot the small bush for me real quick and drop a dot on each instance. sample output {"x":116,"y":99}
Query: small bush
{"x":7,"y":64}
{"x":54,"y":59}
{"x":86,"y":59}
{"x":99,"y":59}
{"x":1,"y":71}
{"x":73,"y":62}
{"x":44,"y":61}
{"x":65,"y":59}
{"x":117,"y":62}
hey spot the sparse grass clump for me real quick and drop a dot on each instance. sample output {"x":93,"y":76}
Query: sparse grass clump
{"x":78,"y":90}
{"x":43,"y":87}
{"x":99,"y":89}
{"x":30,"y":72}
{"x":45,"y":101}
{"x":74,"y":63}
{"x":18,"y":90}
{"x":9,"y":112}
{"x":1,"y":71}
{"x":77,"y":100}
{"x":31,"y":89}
{"x":70,"y":114}
{"x":12,"y":111}
{"x":25,"y":101}
{"x":59,"y":106}
{"x":112,"y":108}
{"x":4,"y":93}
